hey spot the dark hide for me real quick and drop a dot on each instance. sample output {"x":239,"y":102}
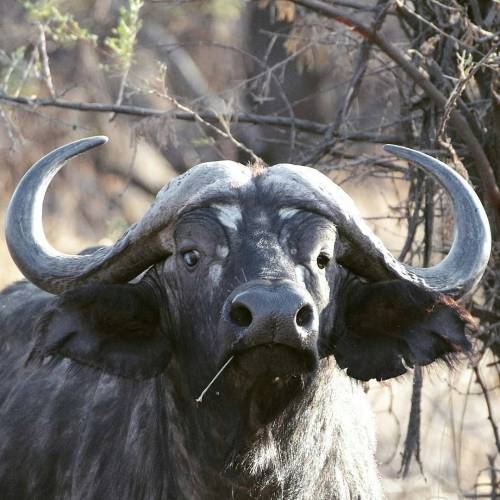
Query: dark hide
{"x":98,"y":386}
{"x":390,"y":326}
{"x":72,"y":431}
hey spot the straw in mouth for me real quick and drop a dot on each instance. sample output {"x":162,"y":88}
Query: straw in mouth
{"x":199,"y":399}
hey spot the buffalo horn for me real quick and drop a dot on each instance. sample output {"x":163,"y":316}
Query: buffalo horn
{"x":462,"y":268}
{"x":143,"y":244}
{"x":149,"y":240}
{"x":36,"y":258}
{"x":361,"y":251}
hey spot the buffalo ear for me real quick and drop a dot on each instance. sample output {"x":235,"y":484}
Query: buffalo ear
{"x":114,"y":328}
{"x":389,"y":326}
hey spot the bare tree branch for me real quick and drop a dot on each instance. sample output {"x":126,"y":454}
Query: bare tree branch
{"x":226,"y":133}
{"x":210,"y":116}
{"x":400,"y":4}
{"x":488,"y":181}
{"x":412,"y":441}
{"x":363,"y":58}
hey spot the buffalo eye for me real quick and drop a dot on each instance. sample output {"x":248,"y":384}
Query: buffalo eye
{"x":191,"y":257}
{"x":322,"y":260}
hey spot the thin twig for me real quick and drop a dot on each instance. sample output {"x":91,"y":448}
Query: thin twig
{"x":26,"y":72}
{"x":412,"y":441}
{"x":128,"y":177}
{"x":416,"y":194}
{"x":42,"y":49}
{"x":488,"y":405}
{"x":363,"y":58}
{"x":121,"y":90}
{"x":199,"y":399}
{"x":223,"y":133}
{"x":12,"y":130}
{"x":422,"y":19}
{"x":459,"y":88}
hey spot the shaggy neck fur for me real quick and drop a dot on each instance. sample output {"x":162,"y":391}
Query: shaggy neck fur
{"x":321,"y":447}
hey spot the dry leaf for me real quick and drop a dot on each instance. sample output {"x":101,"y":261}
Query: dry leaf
{"x":283,"y":10}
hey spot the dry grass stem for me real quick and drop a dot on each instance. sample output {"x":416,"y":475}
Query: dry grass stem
{"x":199,"y":399}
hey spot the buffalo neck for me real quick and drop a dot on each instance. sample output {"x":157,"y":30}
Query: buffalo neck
{"x":273,"y":462}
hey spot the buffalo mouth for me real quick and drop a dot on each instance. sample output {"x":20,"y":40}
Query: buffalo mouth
{"x":268,"y":378}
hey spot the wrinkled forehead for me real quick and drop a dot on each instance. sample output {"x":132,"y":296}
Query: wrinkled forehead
{"x":237,"y":189}
{"x":263,"y":199}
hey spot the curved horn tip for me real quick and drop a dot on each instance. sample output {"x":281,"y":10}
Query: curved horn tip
{"x":102,"y":138}
{"x":77,"y":147}
{"x":411,"y":154}
{"x":96,"y":140}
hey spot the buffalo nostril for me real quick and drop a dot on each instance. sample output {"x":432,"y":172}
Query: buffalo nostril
{"x":240,"y":315}
{"x":305,"y":316}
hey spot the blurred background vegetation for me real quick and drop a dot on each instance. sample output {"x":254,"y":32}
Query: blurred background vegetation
{"x":318,"y":82}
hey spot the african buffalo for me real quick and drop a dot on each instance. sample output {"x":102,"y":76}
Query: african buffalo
{"x":269,"y":272}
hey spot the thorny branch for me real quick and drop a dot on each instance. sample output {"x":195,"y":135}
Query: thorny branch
{"x":42,"y":47}
{"x":459,"y":88}
{"x":485,"y":170}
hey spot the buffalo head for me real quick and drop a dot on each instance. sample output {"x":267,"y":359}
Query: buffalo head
{"x":270,"y":267}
